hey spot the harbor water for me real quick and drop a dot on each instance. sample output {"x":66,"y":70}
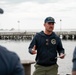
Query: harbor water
{"x":21,"y":48}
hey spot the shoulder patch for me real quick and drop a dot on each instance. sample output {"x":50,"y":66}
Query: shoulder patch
{"x":53,"y":41}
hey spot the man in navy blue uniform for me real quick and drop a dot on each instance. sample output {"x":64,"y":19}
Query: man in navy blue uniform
{"x":9,"y":61}
{"x":46,"y":44}
{"x":1,"y":11}
{"x":74,"y":62}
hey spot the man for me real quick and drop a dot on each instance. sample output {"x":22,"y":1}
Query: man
{"x":9,"y":61}
{"x":1,"y":11}
{"x":74,"y":62}
{"x":46,"y":44}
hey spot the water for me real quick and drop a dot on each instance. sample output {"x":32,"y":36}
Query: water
{"x":21,"y":48}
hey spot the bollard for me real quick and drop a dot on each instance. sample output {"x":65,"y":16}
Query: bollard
{"x":27,"y":66}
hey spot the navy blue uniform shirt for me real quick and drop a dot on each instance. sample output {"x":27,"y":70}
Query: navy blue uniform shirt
{"x":10,"y":63}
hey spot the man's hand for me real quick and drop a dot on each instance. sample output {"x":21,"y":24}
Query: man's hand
{"x":34,"y":51}
{"x":62,"y":55}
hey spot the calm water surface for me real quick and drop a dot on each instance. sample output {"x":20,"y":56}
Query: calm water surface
{"x":21,"y":48}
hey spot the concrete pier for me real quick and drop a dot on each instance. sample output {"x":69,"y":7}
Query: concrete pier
{"x":10,"y":35}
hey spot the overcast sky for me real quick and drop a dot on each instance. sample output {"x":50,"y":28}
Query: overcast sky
{"x":30,"y":14}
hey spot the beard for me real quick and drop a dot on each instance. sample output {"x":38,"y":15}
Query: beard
{"x":49,"y":29}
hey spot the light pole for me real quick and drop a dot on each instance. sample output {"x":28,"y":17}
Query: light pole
{"x":18,"y":25}
{"x":60,"y":25}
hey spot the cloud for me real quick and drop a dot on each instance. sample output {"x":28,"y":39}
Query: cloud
{"x":35,"y":11}
{"x":38,"y":1}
